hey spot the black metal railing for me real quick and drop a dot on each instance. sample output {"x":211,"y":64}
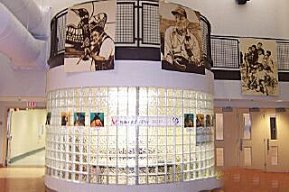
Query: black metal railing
{"x":226,"y":53}
{"x":137,"y":33}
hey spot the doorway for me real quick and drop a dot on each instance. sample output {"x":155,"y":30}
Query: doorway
{"x":26,"y":137}
{"x":254,"y":138}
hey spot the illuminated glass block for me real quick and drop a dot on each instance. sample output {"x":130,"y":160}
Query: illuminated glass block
{"x":112,"y":145}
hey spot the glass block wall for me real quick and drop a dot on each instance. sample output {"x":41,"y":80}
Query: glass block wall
{"x":142,"y":135}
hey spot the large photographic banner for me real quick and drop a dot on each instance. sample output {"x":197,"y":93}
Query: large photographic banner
{"x":90,"y":34}
{"x":259,"y":68}
{"x":181,"y":39}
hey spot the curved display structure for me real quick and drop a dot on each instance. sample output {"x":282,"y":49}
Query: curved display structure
{"x":143,"y":140}
{"x":134,"y":128}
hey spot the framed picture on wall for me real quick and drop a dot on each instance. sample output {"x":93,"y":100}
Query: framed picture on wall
{"x":189,"y":120}
{"x":259,"y":67}
{"x":90,"y":35}
{"x":200,"y":120}
{"x":79,"y":119}
{"x":208,"y":121}
{"x":96,"y":119}
{"x":181,"y":39}
{"x":48,"y":118}
{"x":65,"y":118}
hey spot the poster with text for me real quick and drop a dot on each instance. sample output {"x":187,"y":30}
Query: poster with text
{"x":259,"y":68}
{"x":90,"y":34}
{"x":181,"y":39}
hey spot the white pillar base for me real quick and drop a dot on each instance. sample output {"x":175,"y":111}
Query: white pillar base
{"x":188,"y":186}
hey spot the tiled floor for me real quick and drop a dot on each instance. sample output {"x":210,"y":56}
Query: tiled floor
{"x":21,"y":180}
{"x":235,"y":180}
{"x":245,"y":180}
{"x":21,"y":173}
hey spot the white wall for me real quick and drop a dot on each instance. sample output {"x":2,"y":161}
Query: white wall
{"x":27,"y":131}
{"x":20,"y":82}
{"x":228,"y":93}
{"x":150,"y":75}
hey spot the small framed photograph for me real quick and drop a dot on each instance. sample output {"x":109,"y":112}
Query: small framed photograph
{"x":96,"y":119}
{"x":200,"y":120}
{"x":189,"y":120}
{"x":48,"y":118}
{"x":79,"y":119}
{"x":65,"y":118}
{"x":208,"y":121}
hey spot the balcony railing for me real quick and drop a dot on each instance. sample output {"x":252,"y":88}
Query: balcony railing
{"x":137,"y":33}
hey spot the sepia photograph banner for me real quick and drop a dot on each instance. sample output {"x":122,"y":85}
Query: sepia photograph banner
{"x":259,"y":68}
{"x":181,"y":39}
{"x":90,"y":34}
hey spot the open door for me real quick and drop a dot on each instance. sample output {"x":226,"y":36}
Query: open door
{"x":8,"y":137}
{"x":26,"y":137}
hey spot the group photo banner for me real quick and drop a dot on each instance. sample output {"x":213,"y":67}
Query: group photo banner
{"x":90,"y":35}
{"x":259,"y":68}
{"x":181,"y":39}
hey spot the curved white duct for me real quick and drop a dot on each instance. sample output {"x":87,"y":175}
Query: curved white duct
{"x":30,"y":15}
{"x":18,"y":44}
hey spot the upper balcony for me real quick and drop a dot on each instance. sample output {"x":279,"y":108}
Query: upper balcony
{"x":137,"y":33}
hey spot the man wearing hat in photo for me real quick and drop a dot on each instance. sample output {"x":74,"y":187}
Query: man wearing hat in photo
{"x":102,"y":45}
{"x":181,"y":47}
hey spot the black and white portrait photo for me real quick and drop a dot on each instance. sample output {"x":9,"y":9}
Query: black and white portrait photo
{"x":90,"y":33}
{"x":181,"y":39}
{"x":259,"y":69}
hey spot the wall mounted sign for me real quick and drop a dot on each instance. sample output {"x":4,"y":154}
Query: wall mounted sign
{"x":146,"y":121}
{"x":189,"y":120}
{"x":31,"y":104}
